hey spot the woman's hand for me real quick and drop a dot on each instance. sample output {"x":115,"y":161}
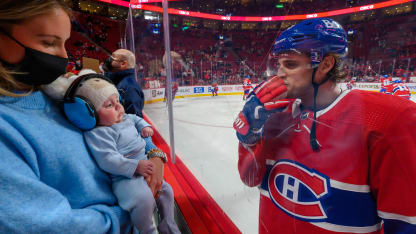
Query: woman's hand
{"x":155,"y":181}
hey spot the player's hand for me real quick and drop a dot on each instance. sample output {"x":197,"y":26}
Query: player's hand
{"x":267,"y":98}
{"x":272,"y":93}
{"x":145,"y":168}
{"x":146,"y":132}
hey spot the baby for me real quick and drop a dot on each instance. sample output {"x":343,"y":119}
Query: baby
{"x":119,"y":144}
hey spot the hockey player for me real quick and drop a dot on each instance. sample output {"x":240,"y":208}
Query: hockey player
{"x":247,"y":86}
{"x":214,"y":89}
{"x":351,"y":84}
{"x":331,"y":161}
{"x":386,"y":82}
{"x":175,"y":87}
{"x":177,"y":64}
{"x":400,"y":89}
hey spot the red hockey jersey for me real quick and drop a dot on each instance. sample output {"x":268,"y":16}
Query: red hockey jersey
{"x":351,"y":84}
{"x":401,"y":90}
{"x":215,"y":87}
{"x":386,"y":84}
{"x":175,"y":86}
{"x":363,"y":174}
{"x":247,"y":84}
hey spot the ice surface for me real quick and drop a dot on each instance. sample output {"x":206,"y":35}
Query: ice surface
{"x":206,"y":143}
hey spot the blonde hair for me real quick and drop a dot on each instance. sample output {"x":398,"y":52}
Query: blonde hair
{"x":14,"y":12}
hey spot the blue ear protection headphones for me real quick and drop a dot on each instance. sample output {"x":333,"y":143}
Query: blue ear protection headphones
{"x":79,"y":110}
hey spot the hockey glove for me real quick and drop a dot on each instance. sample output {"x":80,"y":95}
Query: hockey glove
{"x":261,"y":103}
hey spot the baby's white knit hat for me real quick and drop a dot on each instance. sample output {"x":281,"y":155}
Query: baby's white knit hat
{"x":96,"y":90}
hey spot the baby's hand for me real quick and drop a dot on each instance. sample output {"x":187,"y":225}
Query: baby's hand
{"x":146,"y":132}
{"x":145,"y":168}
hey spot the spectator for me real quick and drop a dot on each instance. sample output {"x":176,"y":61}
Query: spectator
{"x":120,"y":69}
{"x":50,"y":183}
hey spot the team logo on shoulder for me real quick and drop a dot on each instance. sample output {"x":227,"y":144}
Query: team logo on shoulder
{"x":297,"y":190}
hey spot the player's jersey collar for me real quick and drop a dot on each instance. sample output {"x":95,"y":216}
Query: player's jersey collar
{"x":298,"y":108}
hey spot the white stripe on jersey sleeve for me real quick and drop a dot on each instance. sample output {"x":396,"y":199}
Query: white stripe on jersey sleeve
{"x":349,"y":187}
{"x":407,"y":219}
{"x":340,"y":228}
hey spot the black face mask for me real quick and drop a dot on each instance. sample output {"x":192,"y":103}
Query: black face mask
{"x":108,"y":64}
{"x":37,"y":68}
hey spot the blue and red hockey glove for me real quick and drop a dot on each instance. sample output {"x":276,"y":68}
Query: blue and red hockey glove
{"x":267,"y":98}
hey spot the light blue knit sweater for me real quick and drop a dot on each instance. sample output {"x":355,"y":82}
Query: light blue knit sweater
{"x":49,"y":183}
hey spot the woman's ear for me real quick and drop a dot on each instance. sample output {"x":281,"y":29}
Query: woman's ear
{"x":324,"y":68}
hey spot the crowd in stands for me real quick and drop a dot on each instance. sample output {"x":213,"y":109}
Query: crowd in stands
{"x":377,"y":47}
{"x":268,"y":8}
{"x":93,"y":36}
{"x":384,"y":46}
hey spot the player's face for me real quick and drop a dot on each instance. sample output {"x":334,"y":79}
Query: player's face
{"x":111,"y":112}
{"x":296,"y":72}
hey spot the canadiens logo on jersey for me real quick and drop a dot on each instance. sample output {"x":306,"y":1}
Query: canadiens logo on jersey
{"x":309,"y":195}
{"x":298,"y":197}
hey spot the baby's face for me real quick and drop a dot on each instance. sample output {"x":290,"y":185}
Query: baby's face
{"x":111,"y":112}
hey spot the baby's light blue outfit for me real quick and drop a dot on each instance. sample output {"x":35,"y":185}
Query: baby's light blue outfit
{"x":117,"y":150}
